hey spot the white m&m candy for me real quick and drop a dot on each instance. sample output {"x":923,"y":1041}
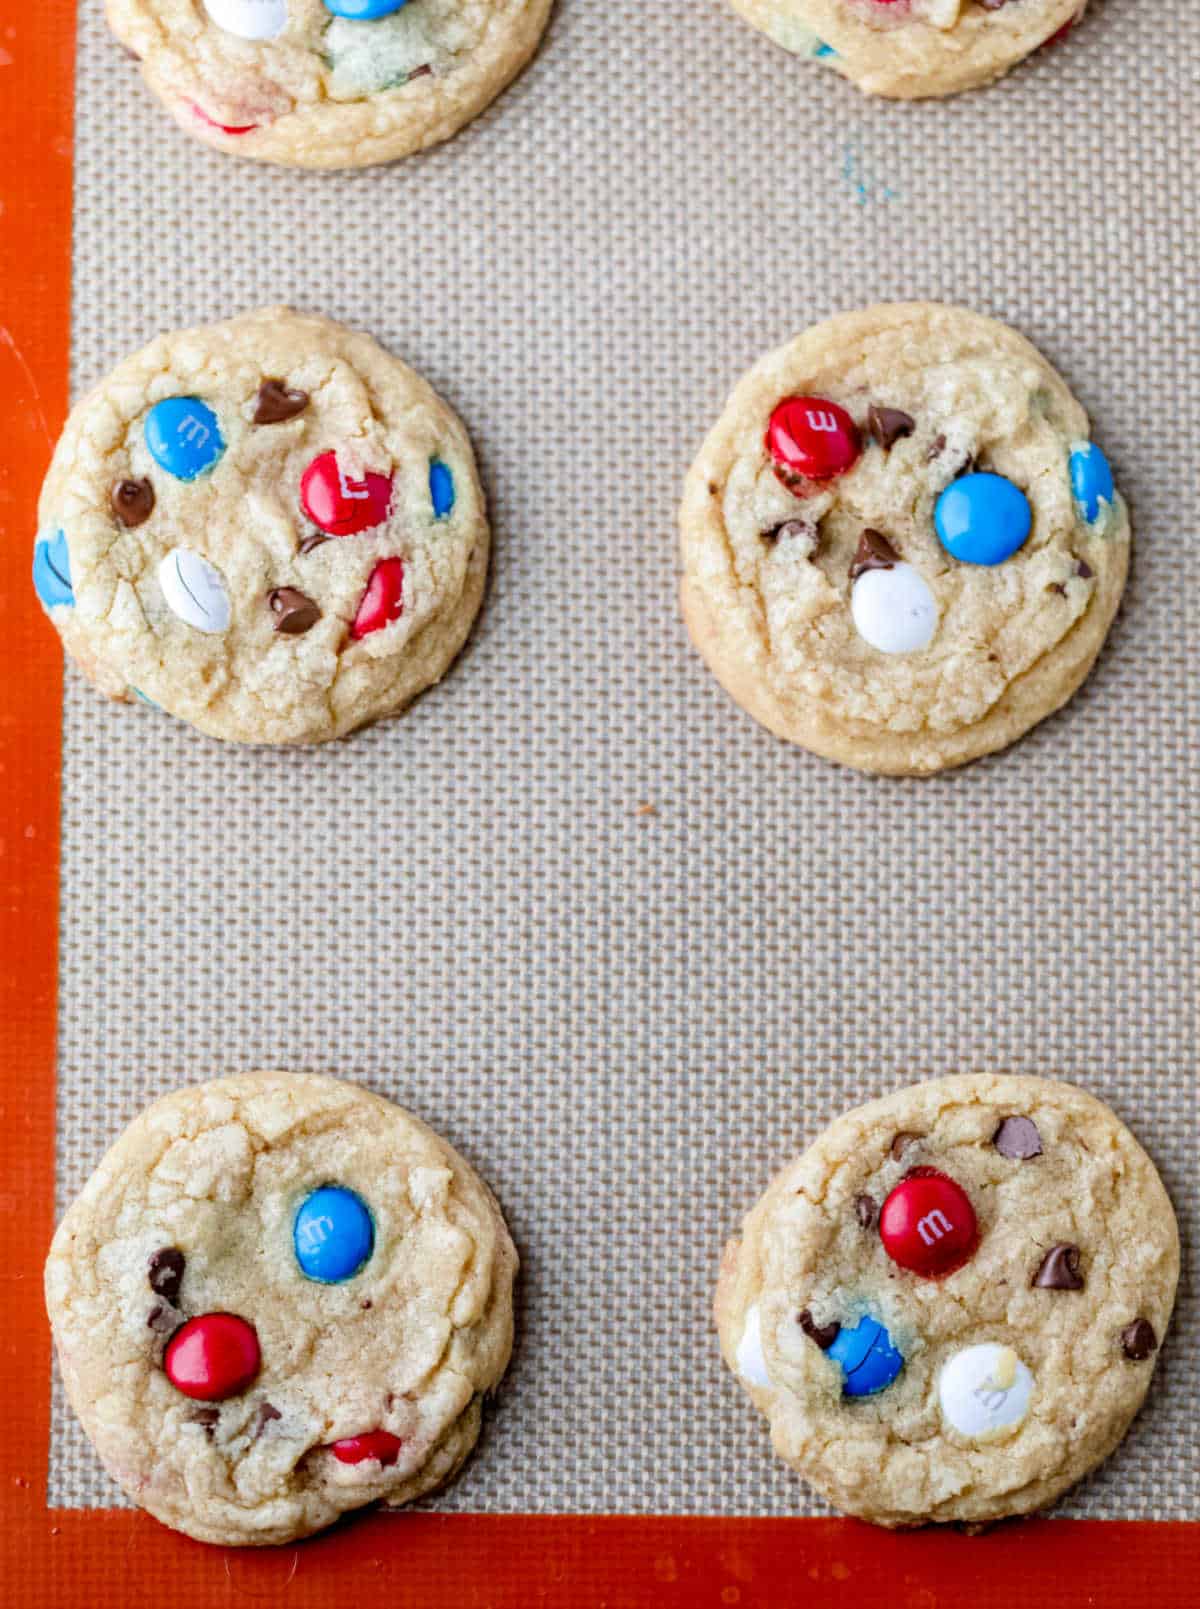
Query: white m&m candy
{"x":894,"y":609}
{"x":751,"y":1364}
{"x":195,"y":591}
{"x":985,"y":1391}
{"x":249,"y":19}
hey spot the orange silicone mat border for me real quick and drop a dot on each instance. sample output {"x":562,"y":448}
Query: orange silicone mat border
{"x":67,"y":1557}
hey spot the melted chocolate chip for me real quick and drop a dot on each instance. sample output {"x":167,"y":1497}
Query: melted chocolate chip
{"x":1059,"y":1270}
{"x":889,"y":425}
{"x":266,"y":1412}
{"x":1018,"y":1139}
{"x":823,"y":1334}
{"x":165,"y":1272}
{"x":420,"y":72}
{"x":275,"y":403}
{"x":1138,"y":1340}
{"x":935,"y":449}
{"x":865,"y":1210}
{"x":294,"y":612}
{"x":902,"y":1142}
{"x":1084,"y":570}
{"x":132,"y":502}
{"x":314,"y":541}
{"x":874,"y":552}
{"x":789,"y":529}
{"x":164,"y":1319}
{"x":208,"y":1417}
{"x":1057,"y":586}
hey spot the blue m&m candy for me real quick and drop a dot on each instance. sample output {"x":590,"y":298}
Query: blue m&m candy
{"x":441,"y":488}
{"x":183,"y":436}
{"x":363,"y":10}
{"x":982,"y":519}
{"x":52,"y":572}
{"x":1091,"y":480}
{"x":333,"y":1234}
{"x":868,"y":1357}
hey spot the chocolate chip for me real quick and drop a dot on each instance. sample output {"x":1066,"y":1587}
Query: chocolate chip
{"x":889,"y":425}
{"x":865,"y":1210}
{"x":1057,"y":586}
{"x":132,"y":502}
{"x":874,"y":552}
{"x":789,"y":528}
{"x":1018,"y":1139}
{"x":419,"y":72}
{"x":276,"y":403}
{"x":823,"y":1334}
{"x":165,"y":1272}
{"x":1138,"y":1340}
{"x":294,"y":612}
{"x":366,"y":1303}
{"x":902,"y":1142}
{"x":311,"y":542}
{"x":266,"y":1412}
{"x":208,"y":1417}
{"x":935,"y":449}
{"x":1084,"y":570}
{"x":164,"y":1319}
{"x":1059,"y":1270}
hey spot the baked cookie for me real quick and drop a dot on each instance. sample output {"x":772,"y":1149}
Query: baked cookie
{"x":912,"y":49}
{"x":279,"y":1298}
{"x":270,"y":527}
{"x":900,"y":549}
{"x":950,"y":1307}
{"x":328,"y":83}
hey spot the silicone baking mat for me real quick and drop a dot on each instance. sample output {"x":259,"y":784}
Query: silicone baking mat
{"x":621,"y":946}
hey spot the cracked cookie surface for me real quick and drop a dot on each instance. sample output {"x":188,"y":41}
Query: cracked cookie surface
{"x":368,"y":1386}
{"x":269,"y":527}
{"x":908,"y":400}
{"x":310,"y":84}
{"x":906,"y":1394}
{"x":912,"y":49}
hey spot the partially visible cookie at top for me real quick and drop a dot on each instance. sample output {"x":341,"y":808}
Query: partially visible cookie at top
{"x":280,"y":1298}
{"x":913,"y":49}
{"x":901,"y":548}
{"x":950,"y":1307}
{"x":328,"y":83}
{"x":269,"y":527}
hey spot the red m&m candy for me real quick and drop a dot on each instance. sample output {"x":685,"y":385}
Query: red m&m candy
{"x":213,"y":1357}
{"x":383,"y":601}
{"x":928,"y":1225}
{"x":810,"y":438}
{"x":339,"y":504}
{"x":380,"y":1445}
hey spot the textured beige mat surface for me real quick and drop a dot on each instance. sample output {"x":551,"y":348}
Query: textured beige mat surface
{"x":627,"y":1020}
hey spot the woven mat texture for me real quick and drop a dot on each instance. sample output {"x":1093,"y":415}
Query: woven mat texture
{"x":628,"y":1018}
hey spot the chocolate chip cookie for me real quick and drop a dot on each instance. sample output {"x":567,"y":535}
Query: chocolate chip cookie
{"x":279,"y":1298}
{"x":950,"y":1307}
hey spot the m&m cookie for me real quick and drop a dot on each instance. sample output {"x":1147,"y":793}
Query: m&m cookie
{"x":950,"y":1307}
{"x":327,"y":83}
{"x":900,"y":548}
{"x":911,"y":49}
{"x":270,"y":527}
{"x":279,"y":1298}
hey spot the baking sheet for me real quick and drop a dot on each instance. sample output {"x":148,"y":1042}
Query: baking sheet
{"x":629,"y":1017}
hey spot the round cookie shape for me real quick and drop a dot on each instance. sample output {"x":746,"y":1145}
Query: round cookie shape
{"x":914,"y":49}
{"x":173,"y":1281}
{"x":833,"y":610}
{"x":244,"y":524}
{"x":327,"y":83}
{"x":987,"y":1393}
